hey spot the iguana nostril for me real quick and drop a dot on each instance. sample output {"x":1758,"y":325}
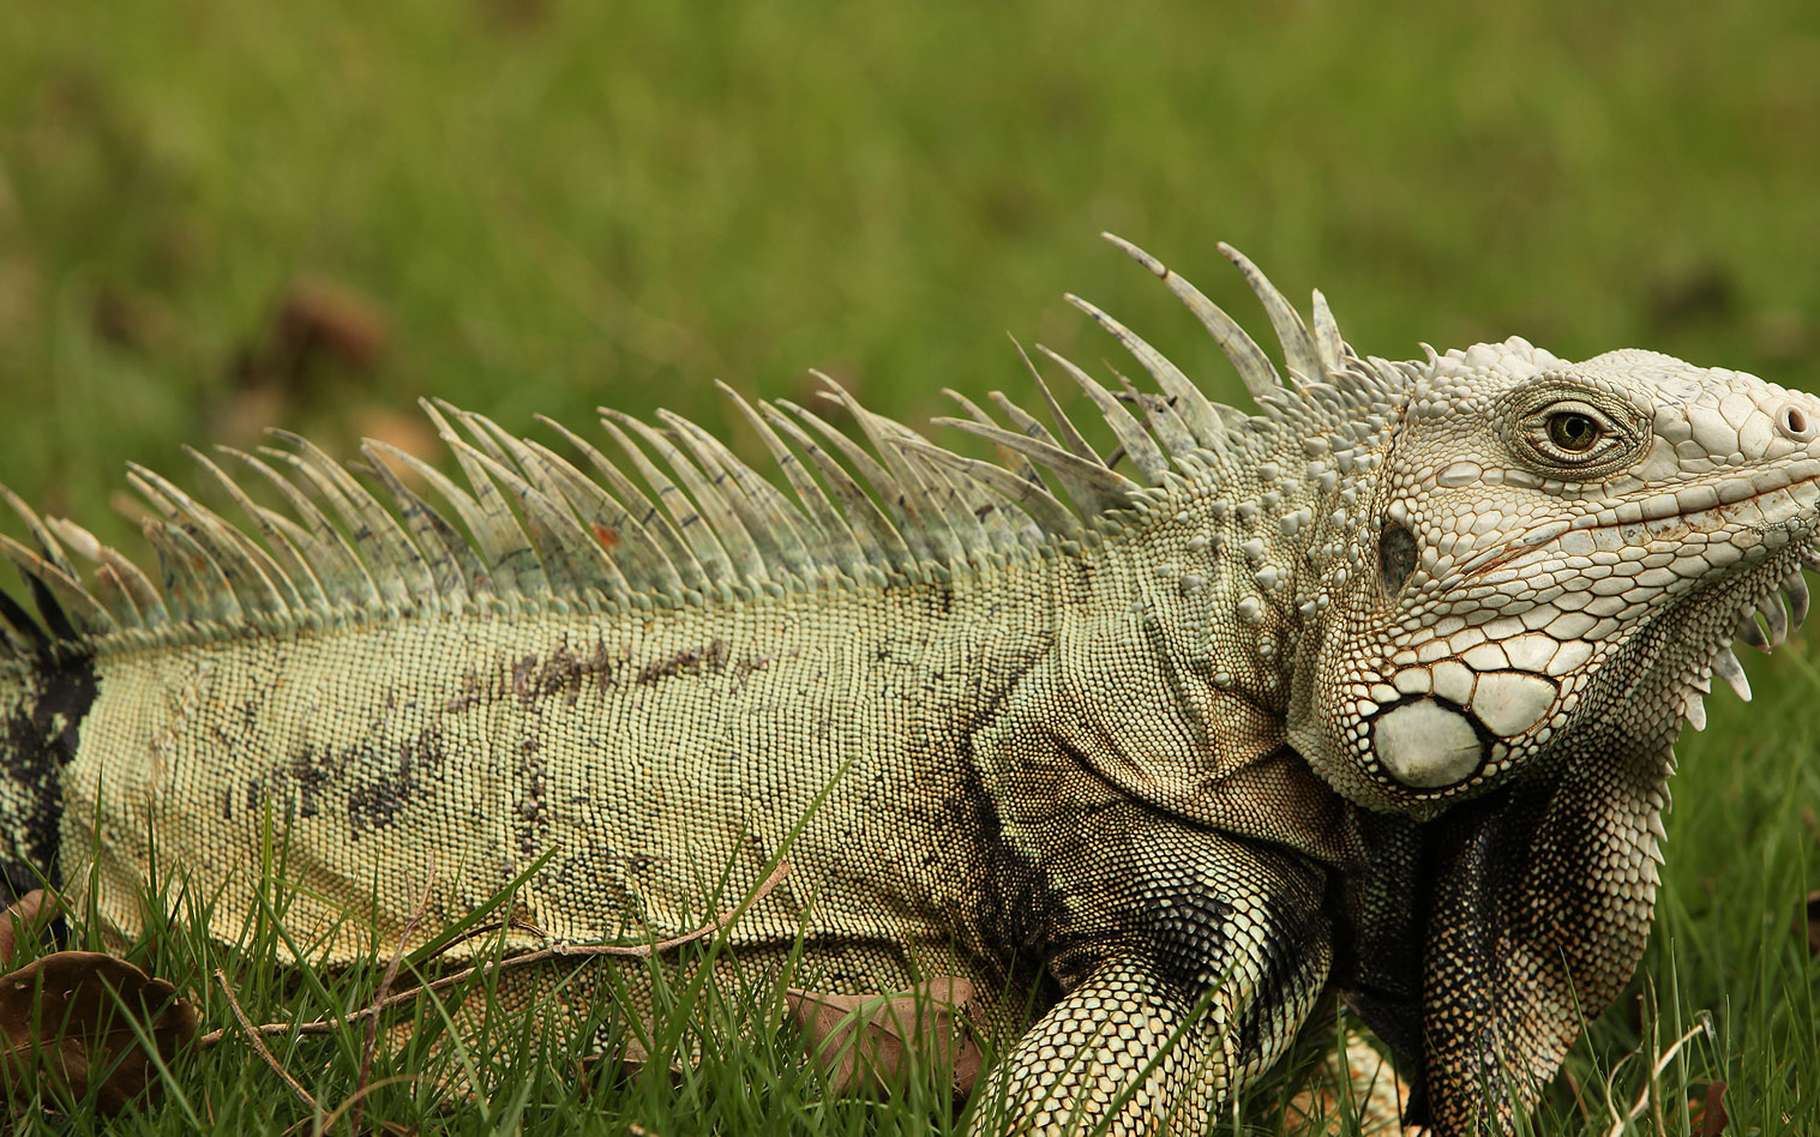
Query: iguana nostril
{"x":1796,"y":423}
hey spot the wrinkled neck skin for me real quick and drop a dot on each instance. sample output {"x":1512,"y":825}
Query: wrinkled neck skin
{"x":1176,"y":639}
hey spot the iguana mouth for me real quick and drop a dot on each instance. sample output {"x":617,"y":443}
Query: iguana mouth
{"x":1726,"y":496}
{"x":1493,"y":559}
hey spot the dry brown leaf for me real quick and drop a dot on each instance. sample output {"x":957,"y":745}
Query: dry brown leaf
{"x":62,"y":1019}
{"x":867,"y":1043}
{"x":322,"y":316}
{"x":1708,"y":1114}
{"x":35,"y":909}
{"x":1378,"y":1098}
{"x":633,"y":1058}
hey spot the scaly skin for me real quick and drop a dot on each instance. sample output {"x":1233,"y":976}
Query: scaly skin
{"x":1372,"y":691}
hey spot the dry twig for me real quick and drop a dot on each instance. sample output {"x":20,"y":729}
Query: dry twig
{"x":1644,"y":1096}
{"x":356,"y":1102}
{"x":259,"y":1047}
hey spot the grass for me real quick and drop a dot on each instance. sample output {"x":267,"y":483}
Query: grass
{"x":528,"y":206}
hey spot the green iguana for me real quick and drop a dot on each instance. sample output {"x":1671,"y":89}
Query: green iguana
{"x":1373,"y":690}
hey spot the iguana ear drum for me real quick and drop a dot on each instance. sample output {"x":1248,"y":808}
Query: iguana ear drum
{"x":1396,"y":558}
{"x":1428,"y":743}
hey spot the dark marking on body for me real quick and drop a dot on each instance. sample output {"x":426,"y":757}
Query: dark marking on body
{"x":1083,"y":575}
{"x":376,"y":804}
{"x":710,"y":659}
{"x":38,"y":737}
{"x":744,"y":669}
{"x":531,"y":679}
{"x":373,"y":782}
{"x":532,"y":810}
{"x":1018,"y":907}
{"x":603,"y":880}
{"x":471,"y":695}
{"x":310,"y":778}
{"x":15,"y":617}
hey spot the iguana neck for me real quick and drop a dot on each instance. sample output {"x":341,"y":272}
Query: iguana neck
{"x":1149,"y":692}
{"x":1181,"y":639}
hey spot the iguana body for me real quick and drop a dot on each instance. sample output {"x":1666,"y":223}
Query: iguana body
{"x":1330,"y":694}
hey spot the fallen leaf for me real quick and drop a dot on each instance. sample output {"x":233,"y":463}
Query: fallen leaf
{"x":35,"y":908}
{"x":1708,"y":1114}
{"x":633,"y":1058}
{"x":867,"y":1043}
{"x":330,"y":318}
{"x":61,"y":1017}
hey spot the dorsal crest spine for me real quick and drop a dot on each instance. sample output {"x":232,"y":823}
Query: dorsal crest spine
{"x":527,"y":529}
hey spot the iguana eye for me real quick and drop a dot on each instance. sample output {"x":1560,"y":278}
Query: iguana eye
{"x":1573,"y":432}
{"x":1577,"y":434}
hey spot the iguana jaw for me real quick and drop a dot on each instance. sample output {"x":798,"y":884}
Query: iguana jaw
{"x":1766,"y":583}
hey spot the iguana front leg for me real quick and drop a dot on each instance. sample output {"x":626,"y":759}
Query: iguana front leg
{"x":1121,"y":1051}
{"x":1222,"y":952}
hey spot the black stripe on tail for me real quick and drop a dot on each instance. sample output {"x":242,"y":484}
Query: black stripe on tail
{"x":42,"y":705}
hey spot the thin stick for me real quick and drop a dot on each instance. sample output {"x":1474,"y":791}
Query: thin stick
{"x":379,"y":996}
{"x":259,"y":1046}
{"x":1643,"y":1094}
{"x":542,"y":955}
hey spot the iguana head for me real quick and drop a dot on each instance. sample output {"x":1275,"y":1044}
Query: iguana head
{"x":1493,"y":584}
{"x":1553,"y":549}
{"x":1555,"y":559}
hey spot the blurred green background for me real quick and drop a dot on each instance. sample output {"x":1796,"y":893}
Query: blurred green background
{"x":215,"y":216}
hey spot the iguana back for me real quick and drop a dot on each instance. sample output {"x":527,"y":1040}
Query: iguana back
{"x":648,"y":755}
